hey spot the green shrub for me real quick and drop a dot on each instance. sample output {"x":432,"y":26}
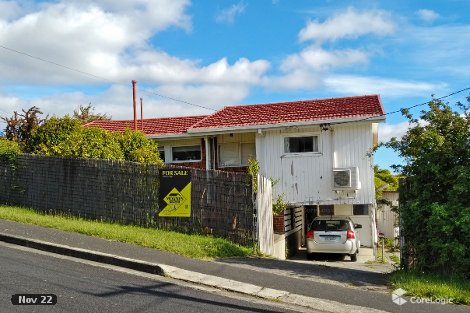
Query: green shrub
{"x":67,"y":138}
{"x":9,"y":150}
{"x":138,"y":148}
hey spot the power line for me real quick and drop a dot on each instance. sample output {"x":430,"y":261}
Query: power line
{"x":406,"y":108}
{"x":96,"y":76}
{"x":424,"y":103}
{"x":182,"y":101}
{"x":196,"y":105}
{"x":53,"y":63}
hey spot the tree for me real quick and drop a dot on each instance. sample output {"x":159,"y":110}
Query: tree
{"x":21,"y":125}
{"x":436,"y":193}
{"x":85,"y":114}
{"x":384,"y":180}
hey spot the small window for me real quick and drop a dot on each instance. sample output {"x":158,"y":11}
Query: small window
{"x":186,"y":153}
{"x":161,"y":151}
{"x":327,"y":209}
{"x":301,"y":144}
{"x":360,"y":209}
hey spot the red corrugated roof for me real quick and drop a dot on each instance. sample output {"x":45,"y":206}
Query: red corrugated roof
{"x":152,"y":126}
{"x":257,"y":114}
{"x":296,"y":111}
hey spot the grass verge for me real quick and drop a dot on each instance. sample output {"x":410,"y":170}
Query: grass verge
{"x":432,"y":285}
{"x":194,"y":246}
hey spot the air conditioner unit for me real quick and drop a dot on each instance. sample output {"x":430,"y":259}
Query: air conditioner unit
{"x":346,"y":178}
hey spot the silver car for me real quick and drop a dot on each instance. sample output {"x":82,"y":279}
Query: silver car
{"x":333,"y":234}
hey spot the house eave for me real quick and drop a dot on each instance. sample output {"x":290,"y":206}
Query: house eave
{"x":246,"y":128}
{"x":173,"y":136}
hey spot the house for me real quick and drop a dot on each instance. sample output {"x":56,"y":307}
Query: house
{"x":317,"y":150}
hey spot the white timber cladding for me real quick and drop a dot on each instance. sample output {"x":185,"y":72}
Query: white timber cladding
{"x":307,"y":178}
{"x":167,"y":146}
{"x":235,"y":149}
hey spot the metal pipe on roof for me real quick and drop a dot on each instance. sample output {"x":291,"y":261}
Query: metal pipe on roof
{"x":141,"y":115}
{"x":135,"y":109}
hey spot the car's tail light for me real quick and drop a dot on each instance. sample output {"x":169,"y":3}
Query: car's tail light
{"x":350,"y":234}
{"x":310,"y":234}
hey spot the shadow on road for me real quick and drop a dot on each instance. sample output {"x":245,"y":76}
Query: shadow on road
{"x":313,"y":271}
{"x":169,"y":291}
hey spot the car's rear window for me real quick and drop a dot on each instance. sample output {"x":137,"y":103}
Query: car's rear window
{"x":329,"y":225}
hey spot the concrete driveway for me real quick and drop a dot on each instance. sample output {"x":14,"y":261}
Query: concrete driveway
{"x":329,"y":269}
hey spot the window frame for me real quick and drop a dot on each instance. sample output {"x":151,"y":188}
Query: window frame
{"x":239,"y":152}
{"x":186,"y":161}
{"x":161,"y":149}
{"x":299,"y":135}
{"x":361,"y":206}
{"x":328,"y":207}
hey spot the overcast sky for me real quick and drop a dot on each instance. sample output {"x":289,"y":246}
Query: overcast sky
{"x":217,"y":53}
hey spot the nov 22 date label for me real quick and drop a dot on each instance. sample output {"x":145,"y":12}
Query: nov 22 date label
{"x":34,"y":299}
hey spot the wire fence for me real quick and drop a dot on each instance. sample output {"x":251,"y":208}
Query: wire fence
{"x":128,"y":193}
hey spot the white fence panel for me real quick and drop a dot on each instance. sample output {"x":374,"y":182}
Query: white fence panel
{"x":264,"y":206}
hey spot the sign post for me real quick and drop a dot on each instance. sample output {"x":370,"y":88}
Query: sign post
{"x":175,"y":193}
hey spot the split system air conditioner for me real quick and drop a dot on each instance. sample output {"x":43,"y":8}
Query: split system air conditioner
{"x":346,"y":178}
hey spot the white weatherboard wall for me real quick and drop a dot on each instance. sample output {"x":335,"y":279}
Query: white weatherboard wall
{"x":307,"y":178}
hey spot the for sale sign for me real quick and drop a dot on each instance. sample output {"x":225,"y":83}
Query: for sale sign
{"x":175,"y":193}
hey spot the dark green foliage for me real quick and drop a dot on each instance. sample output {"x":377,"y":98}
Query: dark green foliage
{"x":435,"y":197}
{"x":384,"y":180}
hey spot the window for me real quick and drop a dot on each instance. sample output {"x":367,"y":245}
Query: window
{"x":186,"y":153}
{"x":330,"y":225}
{"x":360,"y":209}
{"x":236,"y":154}
{"x":301,"y":144}
{"x":327,"y":209}
{"x":229,"y":155}
{"x":161,"y":150}
{"x":248,"y":152}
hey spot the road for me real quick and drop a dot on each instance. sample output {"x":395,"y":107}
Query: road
{"x":82,"y":287}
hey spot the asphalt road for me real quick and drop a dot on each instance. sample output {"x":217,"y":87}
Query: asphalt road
{"x":86,"y":288}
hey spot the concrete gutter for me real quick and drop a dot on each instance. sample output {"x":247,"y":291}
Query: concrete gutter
{"x":190,"y":276}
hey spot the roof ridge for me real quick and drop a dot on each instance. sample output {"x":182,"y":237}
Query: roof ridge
{"x":296,"y":101}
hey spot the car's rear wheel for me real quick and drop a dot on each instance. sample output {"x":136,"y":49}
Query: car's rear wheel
{"x":353,"y":257}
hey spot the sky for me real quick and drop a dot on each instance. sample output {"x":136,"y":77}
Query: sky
{"x":58,"y":55}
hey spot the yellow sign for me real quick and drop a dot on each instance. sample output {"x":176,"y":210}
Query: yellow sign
{"x":178,"y":203}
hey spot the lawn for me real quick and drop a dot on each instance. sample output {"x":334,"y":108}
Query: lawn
{"x":432,"y":285}
{"x":194,"y":246}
